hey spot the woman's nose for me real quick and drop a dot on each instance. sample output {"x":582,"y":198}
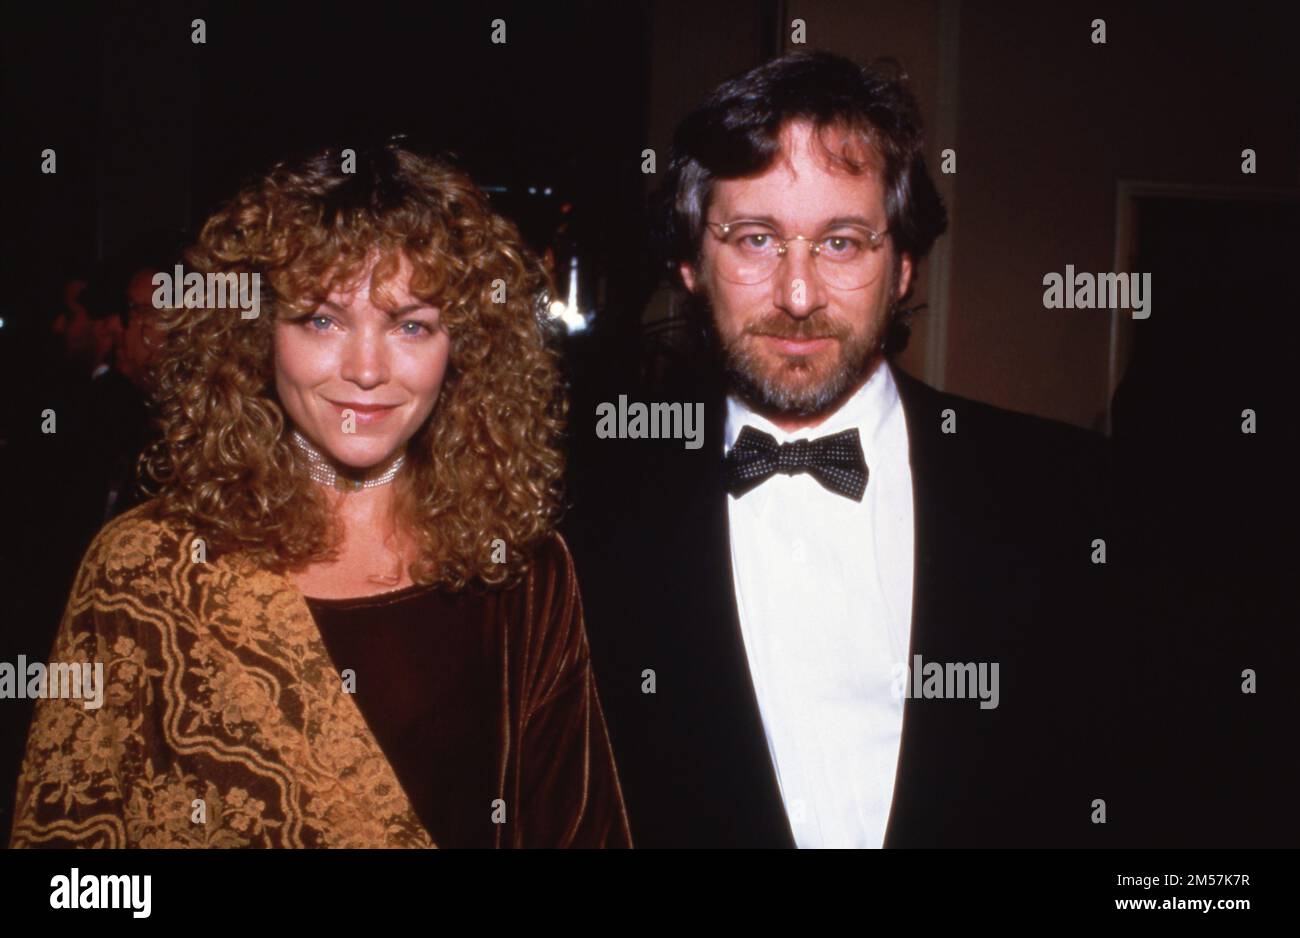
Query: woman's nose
{"x":365,"y":360}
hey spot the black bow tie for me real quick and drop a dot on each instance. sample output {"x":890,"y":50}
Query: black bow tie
{"x":835,"y":461}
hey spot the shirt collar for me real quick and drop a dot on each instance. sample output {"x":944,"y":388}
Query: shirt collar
{"x":868,"y":409}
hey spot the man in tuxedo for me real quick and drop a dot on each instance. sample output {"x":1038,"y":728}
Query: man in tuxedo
{"x":863,"y":612}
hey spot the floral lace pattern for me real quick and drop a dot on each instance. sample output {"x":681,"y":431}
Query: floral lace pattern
{"x":224,"y":722}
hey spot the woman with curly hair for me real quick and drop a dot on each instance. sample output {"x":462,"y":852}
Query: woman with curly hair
{"x":345,"y":617}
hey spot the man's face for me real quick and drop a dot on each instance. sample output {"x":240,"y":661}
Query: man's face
{"x":795,"y":347}
{"x":141,"y":338}
{"x":352,"y":354}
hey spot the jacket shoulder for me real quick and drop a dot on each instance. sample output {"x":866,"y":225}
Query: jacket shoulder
{"x":1004,"y":434}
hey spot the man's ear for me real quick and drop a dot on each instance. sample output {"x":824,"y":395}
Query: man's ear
{"x":688,"y":275}
{"x":904,"y":276}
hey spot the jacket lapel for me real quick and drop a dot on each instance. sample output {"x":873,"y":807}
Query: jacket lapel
{"x":726,"y":754}
{"x":921,"y":414}
{"x":941,"y":759}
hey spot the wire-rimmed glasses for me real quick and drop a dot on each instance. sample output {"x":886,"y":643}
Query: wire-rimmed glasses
{"x":751,"y":250}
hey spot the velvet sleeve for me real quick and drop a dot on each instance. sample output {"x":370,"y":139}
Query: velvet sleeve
{"x":566,"y":787}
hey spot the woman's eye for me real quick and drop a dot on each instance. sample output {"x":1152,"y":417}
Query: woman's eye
{"x":756,"y":241}
{"x":420,"y":327}
{"x":315,"y":322}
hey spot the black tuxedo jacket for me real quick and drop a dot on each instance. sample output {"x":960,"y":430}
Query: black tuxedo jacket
{"x":1007,"y":510}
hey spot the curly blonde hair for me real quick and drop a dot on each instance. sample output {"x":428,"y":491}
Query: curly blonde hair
{"x":485,"y":466}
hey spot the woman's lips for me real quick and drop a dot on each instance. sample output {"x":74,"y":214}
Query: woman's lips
{"x":369,"y":413}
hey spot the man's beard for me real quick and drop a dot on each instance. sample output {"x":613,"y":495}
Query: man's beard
{"x":799,"y":386}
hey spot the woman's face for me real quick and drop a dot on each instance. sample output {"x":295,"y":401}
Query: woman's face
{"x":358,"y":381}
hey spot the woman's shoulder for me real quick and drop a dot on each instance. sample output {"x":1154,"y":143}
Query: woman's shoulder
{"x":128,"y":573}
{"x":137,"y":543}
{"x":551,"y":554}
{"x":551,"y":569}
{"x":549,"y":585}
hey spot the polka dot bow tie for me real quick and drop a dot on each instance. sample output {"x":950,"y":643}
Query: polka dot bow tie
{"x":835,"y":461}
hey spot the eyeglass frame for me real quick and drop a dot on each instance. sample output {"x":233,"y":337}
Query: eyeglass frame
{"x":875,"y":240}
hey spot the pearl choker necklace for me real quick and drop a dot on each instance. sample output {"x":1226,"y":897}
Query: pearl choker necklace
{"x":321,"y":470}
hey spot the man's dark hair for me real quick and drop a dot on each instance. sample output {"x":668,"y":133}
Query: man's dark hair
{"x":737,"y":133}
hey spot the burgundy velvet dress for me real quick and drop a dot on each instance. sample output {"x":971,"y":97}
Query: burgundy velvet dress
{"x":483,"y":710}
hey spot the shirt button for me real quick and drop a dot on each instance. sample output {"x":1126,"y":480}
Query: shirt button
{"x":799,"y":552}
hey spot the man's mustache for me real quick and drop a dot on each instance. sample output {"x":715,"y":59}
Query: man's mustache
{"x":783,"y":327}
